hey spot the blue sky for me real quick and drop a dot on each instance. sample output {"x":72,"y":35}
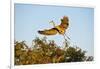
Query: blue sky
{"x":30,"y":18}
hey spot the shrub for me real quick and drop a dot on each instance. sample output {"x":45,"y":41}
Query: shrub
{"x":44,"y":51}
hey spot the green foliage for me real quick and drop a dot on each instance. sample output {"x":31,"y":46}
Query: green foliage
{"x":44,"y":51}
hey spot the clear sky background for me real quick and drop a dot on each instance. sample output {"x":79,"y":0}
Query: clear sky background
{"x":31,"y":18}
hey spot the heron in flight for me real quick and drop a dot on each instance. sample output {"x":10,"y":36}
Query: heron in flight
{"x":61,"y":29}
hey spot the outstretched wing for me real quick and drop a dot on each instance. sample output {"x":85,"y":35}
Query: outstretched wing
{"x":64,"y":22}
{"x":51,"y":31}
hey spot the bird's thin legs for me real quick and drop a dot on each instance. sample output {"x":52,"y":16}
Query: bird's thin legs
{"x":64,"y":38}
{"x":66,"y":41}
{"x":67,"y":36}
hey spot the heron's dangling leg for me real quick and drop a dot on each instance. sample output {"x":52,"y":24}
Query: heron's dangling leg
{"x":64,"y":38}
{"x":66,"y":41}
{"x":67,"y":36}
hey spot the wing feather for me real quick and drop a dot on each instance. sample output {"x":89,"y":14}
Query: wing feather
{"x":64,"y":22}
{"x":51,"y":31}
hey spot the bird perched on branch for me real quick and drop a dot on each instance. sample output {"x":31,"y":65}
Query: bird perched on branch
{"x":61,"y":29}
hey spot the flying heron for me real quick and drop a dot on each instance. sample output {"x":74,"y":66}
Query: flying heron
{"x":61,"y":29}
